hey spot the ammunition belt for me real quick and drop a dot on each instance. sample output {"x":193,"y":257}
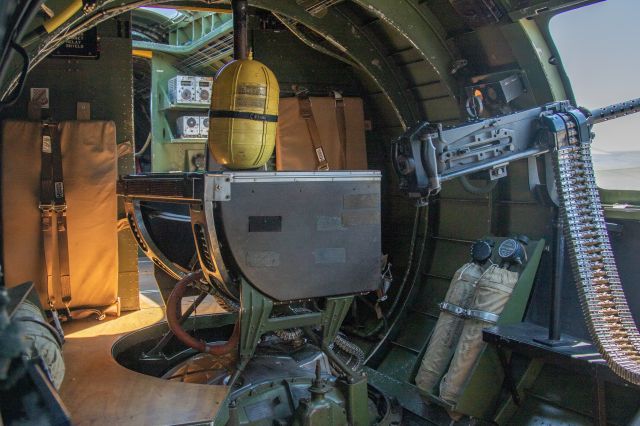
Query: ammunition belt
{"x":601,"y":295}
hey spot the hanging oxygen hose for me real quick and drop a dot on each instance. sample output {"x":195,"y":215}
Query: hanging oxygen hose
{"x":174,"y":310}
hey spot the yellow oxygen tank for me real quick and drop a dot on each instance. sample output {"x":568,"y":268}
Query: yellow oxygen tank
{"x":244,"y":114}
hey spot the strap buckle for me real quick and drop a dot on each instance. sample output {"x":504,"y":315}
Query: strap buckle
{"x":56,"y":320}
{"x":46,"y":208}
{"x":52,"y":207}
{"x":67,"y":310}
{"x":337,"y":96}
{"x":300,"y":92}
{"x":453,"y":309}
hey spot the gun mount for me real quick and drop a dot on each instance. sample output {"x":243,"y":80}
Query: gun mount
{"x":427,"y":155}
{"x":287,"y":250}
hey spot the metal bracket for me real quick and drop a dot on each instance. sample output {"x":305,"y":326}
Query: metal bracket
{"x":254,"y":314}
{"x":498,"y":172}
{"x":335,"y":311}
{"x":218,"y":187}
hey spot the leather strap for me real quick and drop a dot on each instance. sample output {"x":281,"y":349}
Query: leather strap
{"x":63,"y":257}
{"x":46,"y":226}
{"x":46,"y":208}
{"x":53,"y":203}
{"x":485,"y":316}
{"x":461,"y":312}
{"x":342,"y":127}
{"x":304,"y":105}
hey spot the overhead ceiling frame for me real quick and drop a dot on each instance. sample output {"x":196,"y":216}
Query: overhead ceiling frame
{"x":350,"y":39}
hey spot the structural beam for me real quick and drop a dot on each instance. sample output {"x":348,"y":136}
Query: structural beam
{"x":350,"y":39}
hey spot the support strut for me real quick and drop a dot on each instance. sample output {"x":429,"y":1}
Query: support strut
{"x":240,"y":30}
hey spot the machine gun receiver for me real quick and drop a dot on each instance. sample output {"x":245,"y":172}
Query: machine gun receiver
{"x":428,"y":154}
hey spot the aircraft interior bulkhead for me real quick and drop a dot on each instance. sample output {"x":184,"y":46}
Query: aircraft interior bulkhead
{"x":318,"y":212}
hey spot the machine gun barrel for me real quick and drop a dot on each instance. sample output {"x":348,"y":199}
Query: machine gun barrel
{"x":614,"y":111}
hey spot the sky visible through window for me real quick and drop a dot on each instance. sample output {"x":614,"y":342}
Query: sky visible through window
{"x":600,"y":49}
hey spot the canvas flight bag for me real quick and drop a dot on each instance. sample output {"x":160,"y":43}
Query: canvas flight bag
{"x":320,"y":133}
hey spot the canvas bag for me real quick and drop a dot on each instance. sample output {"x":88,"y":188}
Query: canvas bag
{"x":294,"y":147}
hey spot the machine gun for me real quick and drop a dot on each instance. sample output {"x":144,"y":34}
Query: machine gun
{"x":427,"y":155}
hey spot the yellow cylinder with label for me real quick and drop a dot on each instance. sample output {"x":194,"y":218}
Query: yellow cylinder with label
{"x":243,"y":115}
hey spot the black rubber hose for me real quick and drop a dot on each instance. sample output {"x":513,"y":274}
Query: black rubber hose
{"x":23,"y":75}
{"x":21,"y":19}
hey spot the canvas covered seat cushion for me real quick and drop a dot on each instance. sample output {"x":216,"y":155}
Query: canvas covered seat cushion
{"x":89,"y":165}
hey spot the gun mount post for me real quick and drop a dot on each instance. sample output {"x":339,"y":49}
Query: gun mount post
{"x":554,"y":338}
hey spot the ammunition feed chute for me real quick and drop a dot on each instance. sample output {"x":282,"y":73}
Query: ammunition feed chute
{"x":427,"y":155}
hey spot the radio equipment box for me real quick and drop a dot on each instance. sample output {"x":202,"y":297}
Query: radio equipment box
{"x":182,"y":89}
{"x":188,"y":126}
{"x":204,"y":88}
{"x":204,"y":126}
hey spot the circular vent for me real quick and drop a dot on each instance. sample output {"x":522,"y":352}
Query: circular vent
{"x":205,"y":122}
{"x":186,"y":94}
{"x":192,"y":122}
{"x":204,"y":94}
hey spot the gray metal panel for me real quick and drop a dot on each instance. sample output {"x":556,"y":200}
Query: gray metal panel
{"x":328,"y":240}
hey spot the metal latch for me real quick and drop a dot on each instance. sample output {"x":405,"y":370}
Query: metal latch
{"x":461,"y":312}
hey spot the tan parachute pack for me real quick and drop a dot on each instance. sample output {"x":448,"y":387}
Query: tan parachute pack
{"x":447,"y":331}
